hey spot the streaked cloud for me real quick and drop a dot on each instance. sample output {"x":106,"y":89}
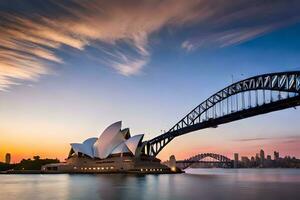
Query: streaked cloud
{"x":252,"y":139}
{"x":236,"y":22}
{"x":32,"y":35}
{"x":225,"y":38}
{"x":283,"y":139}
{"x":129,"y":67}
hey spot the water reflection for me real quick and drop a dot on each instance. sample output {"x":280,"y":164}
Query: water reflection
{"x":196,"y":184}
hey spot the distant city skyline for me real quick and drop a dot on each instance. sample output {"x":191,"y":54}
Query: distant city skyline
{"x":69,"y":69}
{"x":262,"y":160}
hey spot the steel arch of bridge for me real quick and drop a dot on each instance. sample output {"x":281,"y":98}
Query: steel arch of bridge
{"x":250,"y":97}
{"x":197,"y":159}
{"x":201,"y":156}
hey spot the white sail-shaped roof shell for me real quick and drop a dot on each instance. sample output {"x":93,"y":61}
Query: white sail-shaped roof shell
{"x":86,"y":147}
{"x":108,"y":140}
{"x":121,"y":148}
{"x":133,"y":142}
{"x":76,"y":147}
{"x":90,"y":142}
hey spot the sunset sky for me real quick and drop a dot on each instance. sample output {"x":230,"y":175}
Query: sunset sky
{"x":68,"y":69}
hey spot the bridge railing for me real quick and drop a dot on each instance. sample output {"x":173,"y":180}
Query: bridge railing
{"x":282,"y":82}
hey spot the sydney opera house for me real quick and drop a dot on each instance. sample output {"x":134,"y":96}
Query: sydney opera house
{"x":115,"y":151}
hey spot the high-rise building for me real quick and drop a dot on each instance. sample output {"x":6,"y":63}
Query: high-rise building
{"x":262,"y":157}
{"x":257,"y":159}
{"x":245,"y":161}
{"x":7,"y":158}
{"x":252,"y":161}
{"x":268,"y":161}
{"x":276,"y":155}
{"x":236,"y":160}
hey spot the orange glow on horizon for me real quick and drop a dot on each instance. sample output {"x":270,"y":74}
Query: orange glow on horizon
{"x":57,"y":146}
{"x":61,"y":152}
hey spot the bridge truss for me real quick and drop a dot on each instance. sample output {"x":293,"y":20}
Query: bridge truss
{"x":219,"y":159}
{"x":250,"y":97}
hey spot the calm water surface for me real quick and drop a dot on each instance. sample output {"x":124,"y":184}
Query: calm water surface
{"x":195,"y":184}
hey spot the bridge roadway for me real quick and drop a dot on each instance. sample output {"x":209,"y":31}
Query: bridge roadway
{"x":182,"y":164}
{"x":213,"y":123}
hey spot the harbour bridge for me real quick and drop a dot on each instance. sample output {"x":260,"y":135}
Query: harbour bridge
{"x":246,"y":98}
{"x":217,"y":160}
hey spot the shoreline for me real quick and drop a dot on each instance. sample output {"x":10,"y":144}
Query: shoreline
{"x":116,"y":172}
{"x":123,"y":172}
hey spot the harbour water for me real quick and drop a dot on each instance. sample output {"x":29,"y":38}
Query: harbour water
{"x":195,"y":184}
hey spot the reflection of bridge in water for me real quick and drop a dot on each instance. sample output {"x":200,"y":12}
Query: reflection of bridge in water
{"x":205,"y":160}
{"x":250,"y":97}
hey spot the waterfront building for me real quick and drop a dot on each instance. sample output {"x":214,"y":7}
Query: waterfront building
{"x":172,"y":163}
{"x":236,"y":160}
{"x":252,"y":161}
{"x":268,"y":161}
{"x":245,"y":161}
{"x":7,"y":158}
{"x":114,"y":151}
{"x":262,"y":157}
{"x":276,"y":155}
{"x":257,"y":159}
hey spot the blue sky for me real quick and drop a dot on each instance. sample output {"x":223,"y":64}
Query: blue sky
{"x":77,"y":71}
